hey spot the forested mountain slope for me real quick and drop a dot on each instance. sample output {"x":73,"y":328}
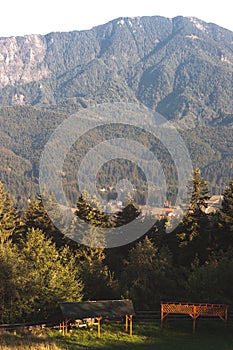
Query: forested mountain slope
{"x":180,"y":67}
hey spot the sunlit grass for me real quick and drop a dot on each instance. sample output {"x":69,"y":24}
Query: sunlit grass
{"x":176,"y":335}
{"x":12,"y":341}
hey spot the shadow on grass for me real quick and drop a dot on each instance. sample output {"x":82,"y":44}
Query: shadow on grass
{"x":211,"y":335}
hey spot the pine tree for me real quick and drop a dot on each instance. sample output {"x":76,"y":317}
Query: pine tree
{"x":10,"y":274}
{"x":147,"y":276}
{"x":194,"y":232}
{"x":10,"y":227}
{"x":95,"y":274}
{"x":99,"y":282}
{"x":225,"y":235}
{"x":195,"y":217}
{"x":51,"y":276}
{"x":199,"y":193}
{"x":129,"y":213}
{"x":10,"y":222}
{"x":36,"y":217}
{"x":90,"y":211}
{"x":212,"y":281}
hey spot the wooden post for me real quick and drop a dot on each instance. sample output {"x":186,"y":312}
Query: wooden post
{"x":66,"y":327}
{"x":91,"y":324}
{"x":63,"y":328}
{"x":226,"y":316}
{"x":194,"y":318}
{"x":161,"y":317}
{"x":126,"y":323}
{"x":131,"y":325}
{"x":194,"y":325}
{"x":99,"y":319}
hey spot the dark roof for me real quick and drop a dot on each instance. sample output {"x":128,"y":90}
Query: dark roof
{"x":105,"y":308}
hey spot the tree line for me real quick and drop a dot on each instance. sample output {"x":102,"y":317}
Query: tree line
{"x":40,"y":267}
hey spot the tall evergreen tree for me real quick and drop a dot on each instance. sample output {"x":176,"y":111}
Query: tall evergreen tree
{"x":98,"y":280}
{"x":224,"y":236}
{"x":129,"y":213}
{"x":10,"y":226}
{"x":90,"y":211}
{"x":10,"y":222}
{"x":194,"y":230}
{"x":10,"y":275}
{"x":212,"y":281}
{"x":36,"y":217}
{"x":148,"y":275}
{"x":51,"y":276}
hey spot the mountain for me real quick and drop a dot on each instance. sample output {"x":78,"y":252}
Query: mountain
{"x":181,"y":67}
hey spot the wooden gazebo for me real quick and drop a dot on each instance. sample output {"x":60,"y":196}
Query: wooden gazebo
{"x":107,"y":309}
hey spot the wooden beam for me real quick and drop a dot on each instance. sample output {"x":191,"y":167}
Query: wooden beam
{"x":66,"y":327}
{"x":131,"y":325}
{"x":226,"y":316}
{"x":161,"y":316}
{"x":99,"y":325}
{"x":126,"y":323}
{"x":194,"y":318}
{"x":194,"y":325}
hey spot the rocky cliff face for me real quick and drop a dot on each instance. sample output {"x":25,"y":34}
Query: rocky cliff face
{"x":22,"y":60}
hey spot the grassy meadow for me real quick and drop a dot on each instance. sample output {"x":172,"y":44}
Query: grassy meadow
{"x":176,"y":335}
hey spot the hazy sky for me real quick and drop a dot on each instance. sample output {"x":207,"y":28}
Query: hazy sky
{"x":19,"y":17}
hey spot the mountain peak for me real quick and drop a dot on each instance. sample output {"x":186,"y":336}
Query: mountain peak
{"x":164,"y":63}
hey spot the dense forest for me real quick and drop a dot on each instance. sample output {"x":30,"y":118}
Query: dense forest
{"x":25,"y":130}
{"x":40,"y":267}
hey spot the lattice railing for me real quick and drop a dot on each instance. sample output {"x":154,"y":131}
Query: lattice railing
{"x":194,"y":310}
{"x":177,"y":308}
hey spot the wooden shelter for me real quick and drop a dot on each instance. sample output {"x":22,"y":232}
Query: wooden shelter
{"x":194,"y":311}
{"x":107,"y":309}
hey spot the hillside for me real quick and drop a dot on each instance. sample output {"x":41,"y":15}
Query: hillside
{"x":180,"y":67}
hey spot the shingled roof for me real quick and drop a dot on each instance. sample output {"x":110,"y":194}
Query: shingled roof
{"x":110,"y":309}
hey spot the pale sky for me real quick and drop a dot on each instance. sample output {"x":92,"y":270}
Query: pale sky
{"x":20,"y":17}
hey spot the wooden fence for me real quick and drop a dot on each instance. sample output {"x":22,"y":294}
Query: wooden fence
{"x":140,"y":315}
{"x":194,"y":311}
